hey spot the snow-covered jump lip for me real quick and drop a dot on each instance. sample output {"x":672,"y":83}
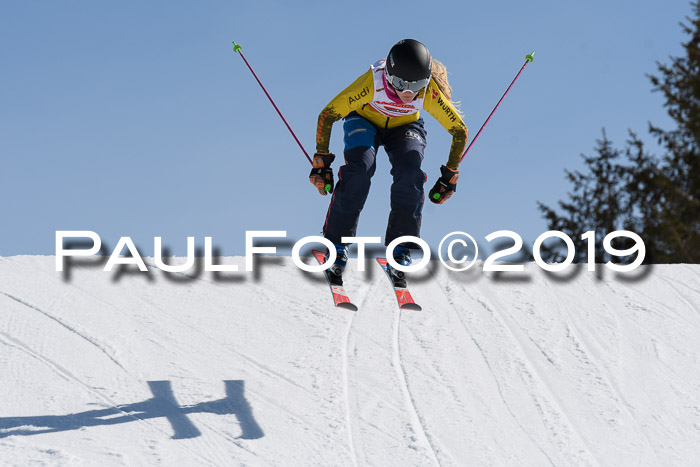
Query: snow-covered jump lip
{"x":588,"y":371}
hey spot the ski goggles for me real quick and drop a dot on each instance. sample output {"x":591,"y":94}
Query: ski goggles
{"x":403,"y":85}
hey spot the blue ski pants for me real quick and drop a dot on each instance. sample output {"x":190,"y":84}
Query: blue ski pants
{"x":405,"y":146}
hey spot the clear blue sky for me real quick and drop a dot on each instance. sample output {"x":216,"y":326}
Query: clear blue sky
{"x":137,"y":119}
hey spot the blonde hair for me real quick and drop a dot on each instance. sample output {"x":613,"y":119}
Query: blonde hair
{"x":439,"y":74}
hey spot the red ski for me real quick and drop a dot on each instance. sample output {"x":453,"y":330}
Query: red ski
{"x":403,"y":296}
{"x":340,"y":297}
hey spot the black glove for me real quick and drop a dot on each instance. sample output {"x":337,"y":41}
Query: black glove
{"x":321,"y":175}
{"x":445,"y":186}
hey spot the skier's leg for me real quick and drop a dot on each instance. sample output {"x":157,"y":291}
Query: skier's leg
{"x":405,"y":146}
{"x":354,"y":179}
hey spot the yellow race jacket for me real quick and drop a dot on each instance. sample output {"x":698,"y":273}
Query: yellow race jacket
{"x":358,"y":96}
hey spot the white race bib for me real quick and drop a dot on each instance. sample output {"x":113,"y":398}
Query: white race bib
{"x":382,"y":103}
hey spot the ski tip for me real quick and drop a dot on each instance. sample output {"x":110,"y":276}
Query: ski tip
{"x":319,"y":255}
{"x":411,"y":306}
{"x":347,"y":306}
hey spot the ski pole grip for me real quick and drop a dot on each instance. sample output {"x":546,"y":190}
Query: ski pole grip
{"x":436,"y":193}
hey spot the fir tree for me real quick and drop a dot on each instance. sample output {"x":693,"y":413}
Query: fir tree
{"x":676,"y":187}
{"x":658,"y":198}
{"x":596,"y":203}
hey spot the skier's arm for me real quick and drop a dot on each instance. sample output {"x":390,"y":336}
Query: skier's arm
{"x":351,"y":98}
{"x":437,"y":105}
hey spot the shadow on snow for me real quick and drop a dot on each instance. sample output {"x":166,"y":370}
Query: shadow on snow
{"x":162,"y":405}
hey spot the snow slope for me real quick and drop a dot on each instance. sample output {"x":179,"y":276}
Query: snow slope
{"x":153,"y":368}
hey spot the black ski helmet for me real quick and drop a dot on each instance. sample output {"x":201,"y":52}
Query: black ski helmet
{"x":409,"y":60}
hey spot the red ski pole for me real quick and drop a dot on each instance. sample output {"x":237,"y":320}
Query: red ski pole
{"x":528,"y":58}
{"x":237,"y":48}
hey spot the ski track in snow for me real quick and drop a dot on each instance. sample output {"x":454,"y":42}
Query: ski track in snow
{"x":224,"y":347}
{"x":106,"y":400}
{"x":68,"y":327}
{"x":345,"y":346}
{"x":556,"y":421}
{"x":112,"y":404}
{"x":346,"y":390}
{"x":537,"y":373}
{"x":455,"y":310}
{"x":344,"y":357}
{"x":632,"y":303}
{"x":588,"y":359}
{"x":416,"y":422}
{"x":670,"y":285}
{"x":534,"y":381}
{"x":156,"y":308}
{"x":183,"y":356}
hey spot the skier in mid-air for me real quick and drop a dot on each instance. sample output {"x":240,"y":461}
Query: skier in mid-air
{"x":382,"y":108}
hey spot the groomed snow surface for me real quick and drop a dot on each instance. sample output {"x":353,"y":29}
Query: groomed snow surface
{"x":132,"y":368}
